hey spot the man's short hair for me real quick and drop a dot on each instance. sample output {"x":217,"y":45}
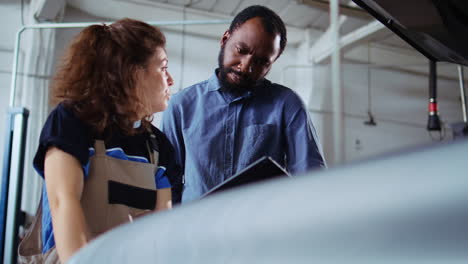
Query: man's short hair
{"x":272,"y":23}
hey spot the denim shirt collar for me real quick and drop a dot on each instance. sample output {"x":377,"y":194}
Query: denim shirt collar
{"x":213,"y":82}
{"x":215,"y":85}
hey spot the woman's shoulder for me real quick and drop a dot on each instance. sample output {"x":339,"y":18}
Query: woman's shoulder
{"x":63,"y":114}
{"x":63,"y":123}
{"x":64,"y":130}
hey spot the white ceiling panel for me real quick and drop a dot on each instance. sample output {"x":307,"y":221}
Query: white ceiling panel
{"x":351,"y":24}
{"x":322,"y":21}
{"x":245,"y":3}
{"x":303,"y":21}
{"x":203,"y":4}
{"x":225,"y":6}
{"x":175,"y":2}
{"x":297,"y":14}
{"x":277,"y":5}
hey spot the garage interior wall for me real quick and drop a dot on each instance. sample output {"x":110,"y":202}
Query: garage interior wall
{"x":397,"y":97}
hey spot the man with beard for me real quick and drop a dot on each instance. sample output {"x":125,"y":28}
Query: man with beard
{"x":221,"y":125}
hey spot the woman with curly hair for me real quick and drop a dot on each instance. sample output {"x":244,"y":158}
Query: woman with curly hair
{"x":102,"y":160}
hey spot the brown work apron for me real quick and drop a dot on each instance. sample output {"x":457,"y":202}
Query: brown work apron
{"x":101,"y":208}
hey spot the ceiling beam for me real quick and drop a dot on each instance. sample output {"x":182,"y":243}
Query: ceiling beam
{"x":344,"y":9}
{"x":321,"y":50}
{"x":148,"y":10}
{"x":48,"y":10}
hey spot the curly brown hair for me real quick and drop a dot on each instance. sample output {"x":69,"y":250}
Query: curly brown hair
{"x":97,"y":77}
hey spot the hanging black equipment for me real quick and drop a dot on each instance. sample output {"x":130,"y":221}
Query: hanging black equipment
{"x":433,"y":123}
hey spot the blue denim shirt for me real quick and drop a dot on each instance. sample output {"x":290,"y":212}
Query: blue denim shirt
{"x":216,"y":134}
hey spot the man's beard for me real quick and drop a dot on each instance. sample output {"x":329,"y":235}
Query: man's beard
{"x":237,"y":89}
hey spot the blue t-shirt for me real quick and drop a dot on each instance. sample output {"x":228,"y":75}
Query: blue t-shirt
{"x":68,"y":133}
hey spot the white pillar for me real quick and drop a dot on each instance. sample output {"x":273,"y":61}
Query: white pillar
{"x":337,"y":90}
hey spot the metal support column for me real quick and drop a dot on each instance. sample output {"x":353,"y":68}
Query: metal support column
{"x":337,"y":91}
{"x":12,"y":183}
{"x":461,"y":78}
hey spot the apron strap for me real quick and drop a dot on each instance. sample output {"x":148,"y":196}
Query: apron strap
{"x":99,"y":147}
{"x":152,"y":154}
{"x":152,"y":146}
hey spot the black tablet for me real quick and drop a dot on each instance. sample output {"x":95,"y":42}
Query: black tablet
{"x":262,"y":169}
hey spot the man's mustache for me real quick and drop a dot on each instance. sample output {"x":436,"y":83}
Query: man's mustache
{"x":242,"y":76}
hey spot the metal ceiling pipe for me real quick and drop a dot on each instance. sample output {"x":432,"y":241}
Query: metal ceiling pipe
{"x":82,"y":25}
